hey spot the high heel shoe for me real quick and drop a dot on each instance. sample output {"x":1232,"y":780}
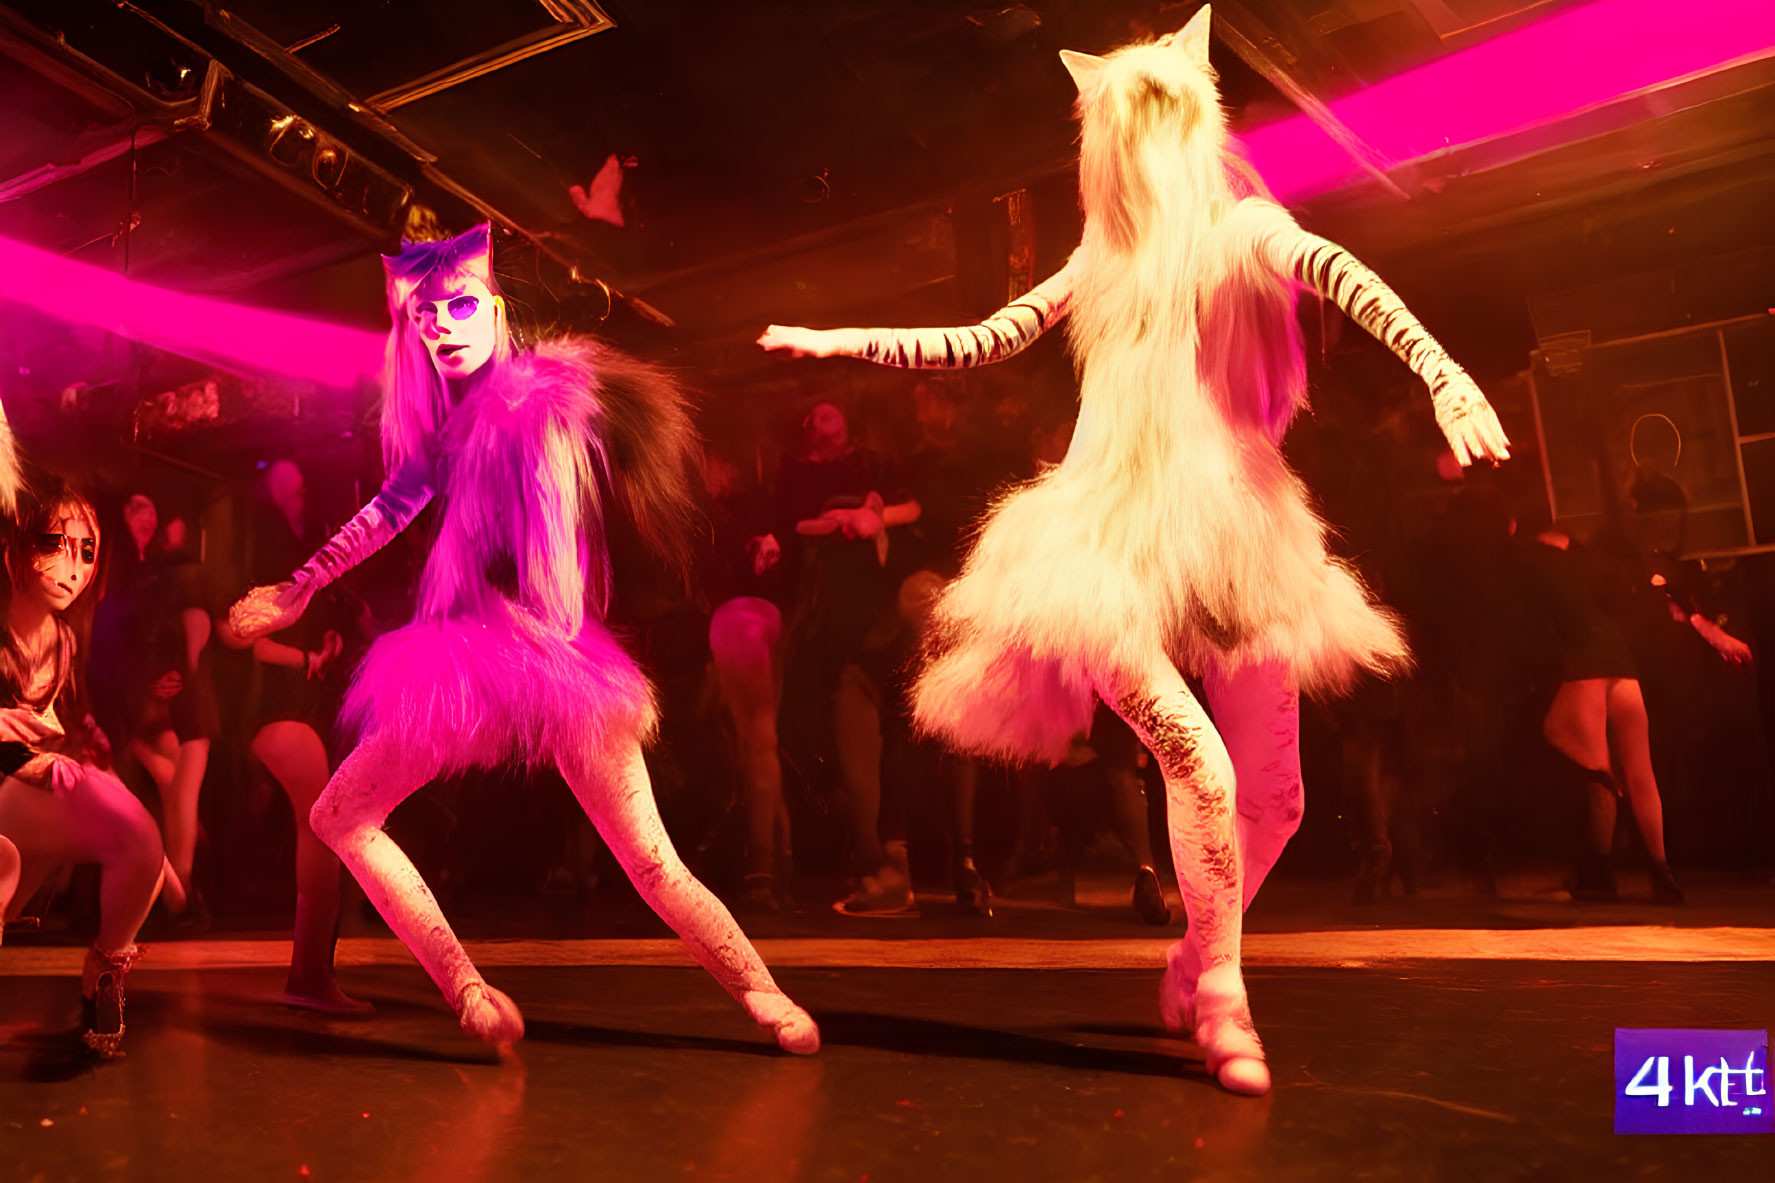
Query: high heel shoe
{"x":1149,"y":898}
{"x":101,"y":998}
{"x":795,"y":1030}
{"x":489,"y":1015}
{"x":972,"y":895}
{"x":1227,"y":1037}
{"x":1664,"y":886}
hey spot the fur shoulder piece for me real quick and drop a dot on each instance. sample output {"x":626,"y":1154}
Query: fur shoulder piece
{"x":641,"y":415}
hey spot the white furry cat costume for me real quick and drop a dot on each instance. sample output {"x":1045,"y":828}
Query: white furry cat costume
{"x":1173,"y":525}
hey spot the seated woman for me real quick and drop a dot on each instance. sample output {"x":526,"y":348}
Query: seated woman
{"x":57,"y":804}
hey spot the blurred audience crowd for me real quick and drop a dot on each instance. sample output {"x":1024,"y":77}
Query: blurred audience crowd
{"x":1575,"y":699}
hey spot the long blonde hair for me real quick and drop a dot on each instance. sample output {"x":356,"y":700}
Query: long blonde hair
{"x":414,"y":398}
{"x":1158,"y":181}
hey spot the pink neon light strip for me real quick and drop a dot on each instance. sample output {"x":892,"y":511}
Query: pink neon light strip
{"x":229,"y":335}
{"x":1546,"y":71}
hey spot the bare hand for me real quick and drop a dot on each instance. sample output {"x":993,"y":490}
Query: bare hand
{"x":1728,"y":646}
{"x":169,"y":685}
{"x":862,"y":523}
{"x":1470,"y":424}
{"x":766,"y":553}
{"x":798,"y":341}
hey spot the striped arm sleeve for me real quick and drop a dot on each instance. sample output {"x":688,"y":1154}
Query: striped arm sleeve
{"x":1340,"y":277}
{"x":1005,"y":333}
{"x":390,"y":512}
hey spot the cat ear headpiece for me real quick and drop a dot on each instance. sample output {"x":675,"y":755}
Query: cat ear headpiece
{"x":1191,"y":40}
{"x":469,"y":253}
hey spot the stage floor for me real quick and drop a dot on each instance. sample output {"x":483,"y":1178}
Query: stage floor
{"x":1440,"y":1054}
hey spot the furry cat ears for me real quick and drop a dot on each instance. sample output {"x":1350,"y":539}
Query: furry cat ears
{"x":1191,"y":40}
{"x":470,"y":252}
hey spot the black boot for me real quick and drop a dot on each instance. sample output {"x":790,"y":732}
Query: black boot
{"x":972,"y":895}
{"x":1149,"y":898}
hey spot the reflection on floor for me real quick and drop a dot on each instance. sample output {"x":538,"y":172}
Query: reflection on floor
{"x":1417,"y":1067}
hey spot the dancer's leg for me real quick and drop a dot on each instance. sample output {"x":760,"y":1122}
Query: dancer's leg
{"x":293,"y":754}
{"x":158,"y":757}
{"x":743,"y":637}
{"x":1632,"y":743}
{"x":9,"y":877}
{"x":618,"y":797}
{"x":1576,"y":725}
{"x":348,"y":817}
{"x":178,"y":798}
{"x":1199,"y":789}
{"x":97,"y":821}
{"x":1257,"y":711}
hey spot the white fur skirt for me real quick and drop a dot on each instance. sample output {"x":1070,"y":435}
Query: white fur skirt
{"x":1086,"y":575}
{"x":466,"y":692}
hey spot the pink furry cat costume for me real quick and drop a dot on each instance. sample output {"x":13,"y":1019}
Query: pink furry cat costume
{"x":509,"y":658}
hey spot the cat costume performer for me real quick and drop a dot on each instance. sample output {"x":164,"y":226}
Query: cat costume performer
{"x":508,"y":658}
{"x":1174,"y":538}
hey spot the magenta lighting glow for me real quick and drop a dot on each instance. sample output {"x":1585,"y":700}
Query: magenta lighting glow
{"x":228,"y":335}
{"x":1551,"y":69}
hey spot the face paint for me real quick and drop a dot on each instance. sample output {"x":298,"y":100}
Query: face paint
{"x":459,"y":321}
{"x":65,"y":561}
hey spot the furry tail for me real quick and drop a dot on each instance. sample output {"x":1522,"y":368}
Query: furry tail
{"x":644,"y":419}
{"x":10,"y":476}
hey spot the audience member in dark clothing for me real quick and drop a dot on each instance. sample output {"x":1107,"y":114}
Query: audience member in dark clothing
{"x":288,"y":723}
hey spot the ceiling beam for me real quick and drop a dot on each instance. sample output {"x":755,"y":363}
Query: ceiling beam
{"x":1264,"y":52}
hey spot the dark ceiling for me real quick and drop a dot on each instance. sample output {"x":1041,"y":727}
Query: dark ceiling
{"x":783,"y":160}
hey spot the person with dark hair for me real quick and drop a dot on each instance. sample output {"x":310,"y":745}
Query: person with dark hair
{"x":58,"y":804}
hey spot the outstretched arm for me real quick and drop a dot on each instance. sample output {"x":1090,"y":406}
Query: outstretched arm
{"x":1005,"y":333}
{"x":265,"y":610}
{"x":1462,"y":412}
{"x":376,"y":524}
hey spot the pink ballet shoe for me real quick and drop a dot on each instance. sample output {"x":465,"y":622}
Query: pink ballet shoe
{"x":1224,"y":1032}
{"x":488,"y":1015}
{"x":1177,"y":991}
{"x":795,"y":1029}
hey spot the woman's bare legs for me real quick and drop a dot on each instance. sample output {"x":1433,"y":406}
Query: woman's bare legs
{"x":348,"y":817}
{"x":293,"y":754}
{"x":98,"y":821}
{"x":178,"y":805}
{"x":1630,"y":734}
{"x":1577,"y":726}
{"x":618,"y":797}
{"x":743,"y":636}
{"x":9,"y":875}
{"x":1199,"y":789}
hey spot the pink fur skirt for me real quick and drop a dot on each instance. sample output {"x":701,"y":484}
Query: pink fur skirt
{"x":468,"y":692}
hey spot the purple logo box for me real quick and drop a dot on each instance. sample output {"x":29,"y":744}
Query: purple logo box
{"x":1692,"y":1082}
